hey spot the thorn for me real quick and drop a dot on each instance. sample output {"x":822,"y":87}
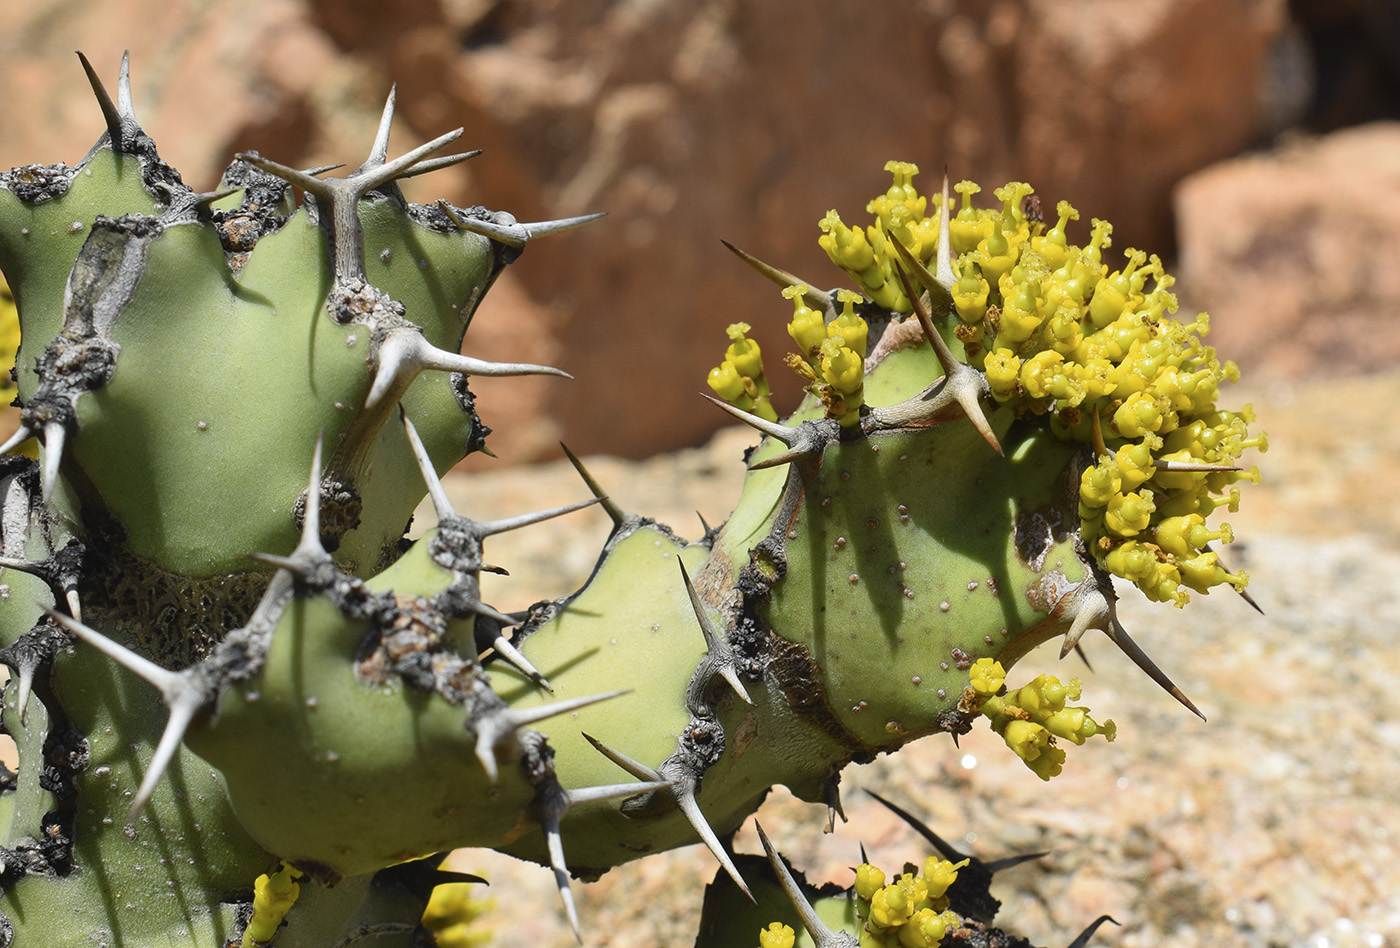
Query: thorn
{"x":1244,"y":593}
{"x":831,"y":793}
{"x":124,"y":87}
{"x":971,"y":894}
{"x":511,"y":654}
{"x":783,"y":433}
{"x":183,"y":708}
{"x":493,"y":727}
{"x":321,"y":169}
{"x":491,"y":612}
{"x":1088,"y":933}
{"x":920,"y":827}
{"x":183,"y":694}
{"x":54,"y":436}
{"x":1079,"y":650}
{"x":110,"y":114}
{"x":816,"y":299}
{"x":379,"y":151}
{"x":615,"y":513}
{"x":639,"y":770}
{"x":614,"y":790}
{"x":19,"y":437}
{"x":717,"y":647}
{"x":306,"y":180}
{"x":493,"y":527}
{"x":783,"y":457}
{"x":864,"y":859}
{"x":22,"y":690}
{"x":404,"y":352}
{"x":1119,"y":636}
{"x":943,"y":270}
{"x":704,"y":524}
{"x":75,"y":606}
{"x":309,"y":546}
{"x":939,"y":295}
{"x":442,"y":507}
{"x":207,"y":198}
{"x":517,"y":235}
{"x":1188,"y":468}
{"x":822,"y":936}
{"x":1084,"y":620}
{"x":379,"y":175}
{"x":554,"y":843}
{"x":685,"y":799}
{"x":295,"y":567}
{"x":961,"y":383}
{"x":428,"y":166}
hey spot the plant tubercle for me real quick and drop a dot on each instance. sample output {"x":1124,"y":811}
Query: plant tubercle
{"x":249,"y":711}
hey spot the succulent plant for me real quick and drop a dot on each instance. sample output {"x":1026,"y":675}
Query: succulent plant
{"x":248,"y":710}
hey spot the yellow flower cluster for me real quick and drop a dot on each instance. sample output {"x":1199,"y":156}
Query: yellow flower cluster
{"x":739,"y":378}
{"x":832,"y":357}
{"x":1093,"y":351}
{"x":831,"y":360}
{"x":1030,"y":718}
{"x":867,"y":255}
{"x":909,"y":912}
{"x":452,"y":913}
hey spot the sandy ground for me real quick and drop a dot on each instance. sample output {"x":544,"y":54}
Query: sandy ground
{"x":1276,"y":823}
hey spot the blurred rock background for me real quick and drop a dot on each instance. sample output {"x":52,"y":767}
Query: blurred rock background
{"x":1253,"y":142}
{"x":694,"y":121}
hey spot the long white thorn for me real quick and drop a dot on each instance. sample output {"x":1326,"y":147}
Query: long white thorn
{"x":943,"y":269}
{"x":510,"y":653}
{"x":170,"y":684}
{"x":635,"y":768}
{"x":492,"y":527}
{"x":615,"y":513}
{"x":818,"y":300}
{"x":554,"y":843}
{"x":379,"y":151}
{"x":309,"y":545}
{"x":1119,"y":636}
{"x":379,"y":175}
{"x":124,"y":87}
{"x":822,"y":936}
{"x":22,"y":690}
{"x":182,"y":711}
{"x":685,"y":799}
{"x":492,"y":728}
{"x":429,"y":165}
{"x":404,"y":353}
{"x":613,"y":790}
{"x":783,"y":433}
{"x":54,"y":436}
{"x":442,"y":507}
{"x":717,"y":647}
{"x":517,"y":234}
{"x":182,"y":695}
{"x":23,"y":434}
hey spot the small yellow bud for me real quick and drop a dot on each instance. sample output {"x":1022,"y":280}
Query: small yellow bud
{"x":777,"y":935}
{"x":806,"y":327}
{"x":869,"y":880}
